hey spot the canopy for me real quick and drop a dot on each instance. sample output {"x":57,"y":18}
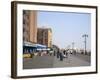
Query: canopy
{"x":32,"y":46}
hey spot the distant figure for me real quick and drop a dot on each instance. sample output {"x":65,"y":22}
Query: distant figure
{"x":74,"y":52}
{"x":82,"y":52}
{"x":39,"y":53}
{"x":66,"y":54}
{"x":54,"y":53}
{"x":61,"y":55}
{"x":58,"y":53}
{"x":50,"y":53}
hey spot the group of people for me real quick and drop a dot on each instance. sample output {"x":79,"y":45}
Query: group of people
{"x":61,"y":54}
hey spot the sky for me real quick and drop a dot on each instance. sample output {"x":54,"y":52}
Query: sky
{"x":67,"y":27}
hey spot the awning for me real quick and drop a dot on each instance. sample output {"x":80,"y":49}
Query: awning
{"x":43,"y":49}
{"x":25,"y":43}
{"x":35,"y":46}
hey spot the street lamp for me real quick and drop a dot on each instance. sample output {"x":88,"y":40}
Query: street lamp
{"x":85,"y":42}
{"x":73,"y":45}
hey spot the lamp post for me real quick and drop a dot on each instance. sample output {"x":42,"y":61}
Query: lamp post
{"x":85,"y":41}
{"x":73,"y":47}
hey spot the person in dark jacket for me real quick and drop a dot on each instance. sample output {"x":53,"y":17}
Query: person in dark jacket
{"x":61,"y":55}
{"x":58,"y":54}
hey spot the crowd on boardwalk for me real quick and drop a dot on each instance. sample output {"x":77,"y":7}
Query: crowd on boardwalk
{"x":60,"y":54}
{"x":57,"y":53}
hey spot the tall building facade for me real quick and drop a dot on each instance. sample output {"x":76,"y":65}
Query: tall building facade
{"x":44,"y":36}
{"x":30,"y":26}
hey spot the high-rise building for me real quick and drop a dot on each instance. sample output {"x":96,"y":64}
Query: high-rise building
{"x":44,"y":36}
{"x":30,"y":26}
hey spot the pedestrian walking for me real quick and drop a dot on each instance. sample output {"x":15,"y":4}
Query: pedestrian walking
{"x":66,"y":53}
{"x":58,"y":53}
{"x":54,"y":53}
{"x":61,"y":55}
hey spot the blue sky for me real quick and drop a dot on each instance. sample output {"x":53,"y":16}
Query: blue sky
{"x":67,"y":27}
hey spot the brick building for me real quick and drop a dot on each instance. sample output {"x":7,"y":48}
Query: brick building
{"x":44,"y":36}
